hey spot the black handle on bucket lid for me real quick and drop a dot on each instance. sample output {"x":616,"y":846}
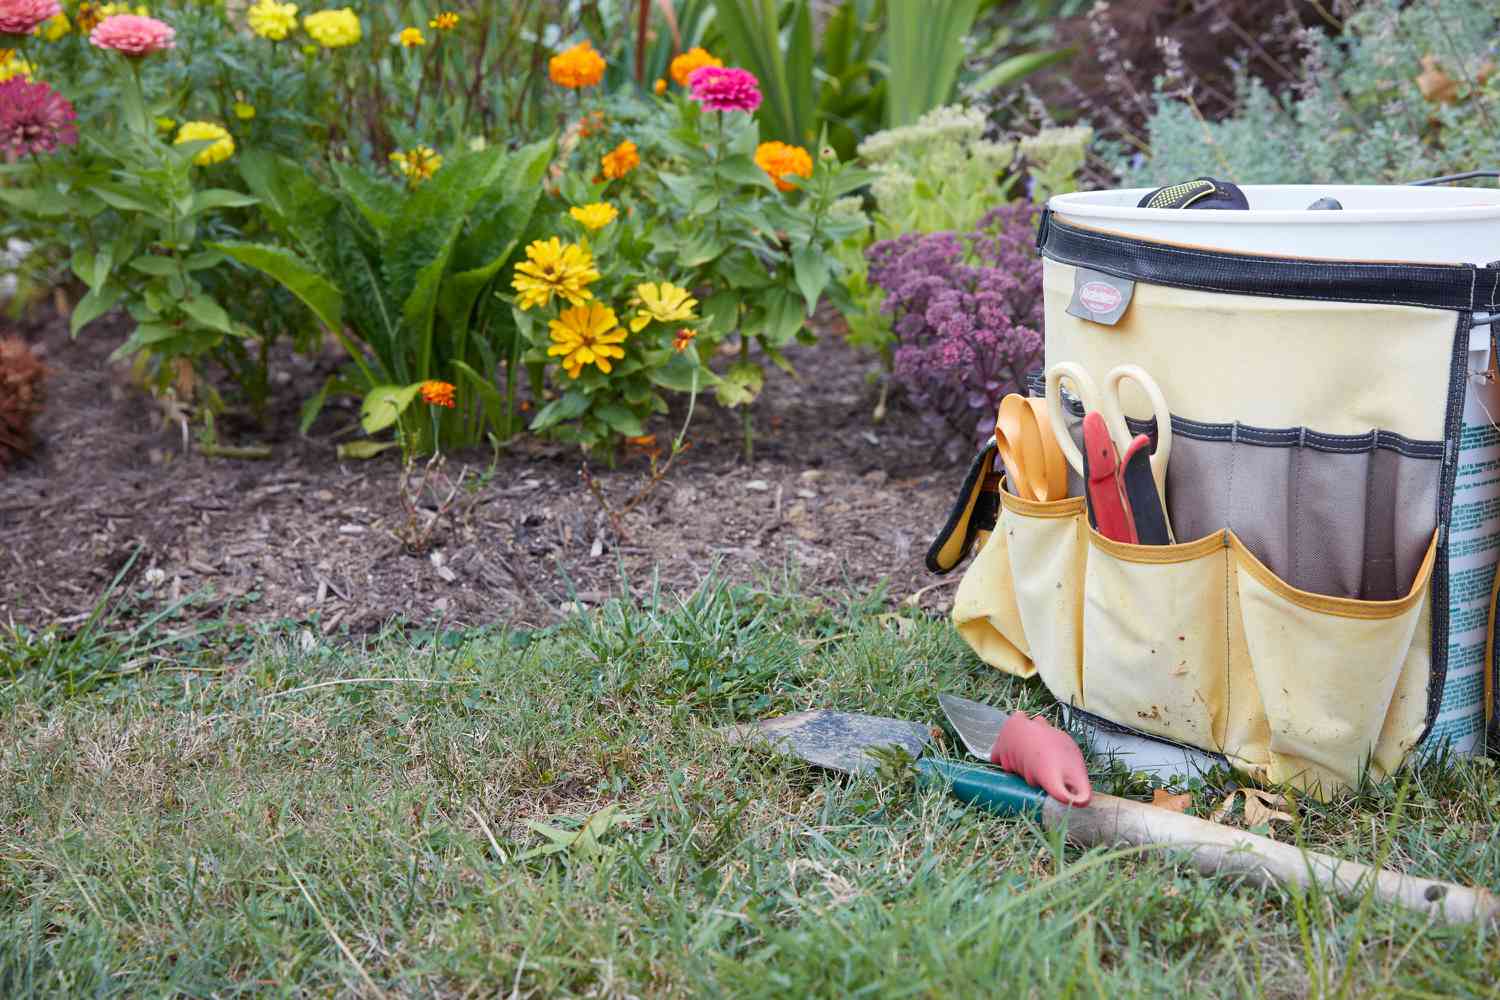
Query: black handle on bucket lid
{"x":1200,"y":192}
{"x":1452,"y":178}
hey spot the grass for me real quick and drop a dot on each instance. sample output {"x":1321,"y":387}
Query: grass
{"x":423,"y":827}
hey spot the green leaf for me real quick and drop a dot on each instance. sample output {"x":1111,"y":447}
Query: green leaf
{"x":365,"y":449}
{"x":204,"y":201}
{"x":721,"y":313}
{"x":925,"y":46}
{"x":703,"y":246}
{"x":683,"y":372}
{"x":620,"y":420}
{"x":740,"y":384}
{"x":742,"y":170}
{"x":384,"y":404}
{"x":377,"y":199}
{"x":312,"y":406}
{"x":94,"y":304}
{"x":152,"y":264}
{"x":35,"y":202}
{"x":296,"y":274}
{"x":495,"y":409}
{"x":569,"y":405}
{"x":1011,"y":70}
{"x":784,"y":317}
{"x":296,"y":204}
{"x":206,"y":312}
{"x":124,"y":199}
{"x":810,"y":265}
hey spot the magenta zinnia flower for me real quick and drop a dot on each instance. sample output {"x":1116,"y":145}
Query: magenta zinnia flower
{"x":34,"y":118}
{"x":20,"y":17}
{"x":725,"y":88}
{"x":131,"y":34}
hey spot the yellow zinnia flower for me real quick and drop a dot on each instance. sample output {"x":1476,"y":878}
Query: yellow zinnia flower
{"x":693,"y":59}
{"x":333,"y":29}
{"x":12,"y":65}
{"x":272,"y":20}
{"x":586,"y":335}
{"x":53,"y":28}
{"x":595,"y":216}
{"x":780,"y":160}
{"x":445,"y":21}
{"x":554,"y":268}
{"x":664,"y":302}
{"x":577,"y":67}
{"x":620,"y":161}
{"x":222,"y":147}
{"x":411,"y":37}
{"x":418,"y":163}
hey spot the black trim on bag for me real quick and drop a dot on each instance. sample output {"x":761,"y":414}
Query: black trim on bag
{"x":1461,"y":287}
{"x":983,"y":518}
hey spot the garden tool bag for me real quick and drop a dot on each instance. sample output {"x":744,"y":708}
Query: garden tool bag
{"x":1327,"y":606}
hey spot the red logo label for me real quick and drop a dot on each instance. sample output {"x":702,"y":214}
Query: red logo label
{"x":1096,"y":296}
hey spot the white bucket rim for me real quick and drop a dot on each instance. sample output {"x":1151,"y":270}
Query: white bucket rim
{"x":1088,"y":205}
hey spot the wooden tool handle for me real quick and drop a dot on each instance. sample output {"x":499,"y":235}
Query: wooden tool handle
{"x":1214,"y":847}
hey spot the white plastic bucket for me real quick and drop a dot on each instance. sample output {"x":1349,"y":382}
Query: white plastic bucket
{"x":1449,"y":225}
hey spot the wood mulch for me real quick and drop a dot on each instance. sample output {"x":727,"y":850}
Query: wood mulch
{"x":832,"y":502}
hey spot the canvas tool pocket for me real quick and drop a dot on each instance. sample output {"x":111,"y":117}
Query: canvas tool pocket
{"x":985,"y":610}
{"x":1162,"y":638}
{"x":1047,"y":550}
{"x":1327,"y":670}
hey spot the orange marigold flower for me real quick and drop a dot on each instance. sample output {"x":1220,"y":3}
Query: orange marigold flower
{"x":780,"y":160}
{"x":577,"y":67}
{"x":621,"y":160}
{"x":693,"y":59}
{"x":684,"y":337}
{"x":436,"y":393}
{"x":445,"y":21}
{"x":660,"y":86}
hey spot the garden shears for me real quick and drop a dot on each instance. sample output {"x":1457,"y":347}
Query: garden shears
{"x":1126,"y":482}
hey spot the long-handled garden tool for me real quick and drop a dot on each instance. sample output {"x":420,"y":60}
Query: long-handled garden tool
{"x":842,"y":742}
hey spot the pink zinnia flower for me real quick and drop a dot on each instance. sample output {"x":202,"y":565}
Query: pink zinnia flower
{"x":131,"y":34}
{"x":20,"y":17}
{"x":34,"y":118}
{"x":725,"y":88}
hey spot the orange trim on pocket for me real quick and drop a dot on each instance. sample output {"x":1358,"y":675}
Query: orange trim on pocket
{"x":1159,"y":554}
{"x":1342,"y":607}
{"x":1069,"y":507}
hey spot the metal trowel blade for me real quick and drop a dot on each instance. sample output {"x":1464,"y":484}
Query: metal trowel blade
{"x":977,"y":723}
{"x":839,"y":741}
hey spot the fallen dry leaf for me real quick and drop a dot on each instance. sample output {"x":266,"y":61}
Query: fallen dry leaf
{"x":1435,"y":85}
{"x":1260,"y":807}
{"x":1163,"y":799}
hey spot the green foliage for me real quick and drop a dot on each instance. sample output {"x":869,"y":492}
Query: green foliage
{"x":405,"y":269}
{"x":926,"y":49}
{"x":1358,"y":114}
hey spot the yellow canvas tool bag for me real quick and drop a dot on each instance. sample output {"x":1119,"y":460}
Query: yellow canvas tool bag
{"x":1302,"y":627}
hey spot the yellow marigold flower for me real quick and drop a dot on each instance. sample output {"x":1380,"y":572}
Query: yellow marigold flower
{"x":780,"y":160}
{"x":435,"y":393}
{"x":222,"y":147}
{"x":272,"y":20}
{"x":418,"y":163}
{"x":664,"y":302}
{"x":586,"y":335}
{"x":683,"y":338}
{"x":111,"y":9}
{"x":621,"y":160}
{"x":53,"y":28}
{"x":244,"y":112}
{"x":577,"y":67}
{"x":12,"y":65}
{"x":693,"y":59}
{"x":553,"y":268}
{"x":595,"y":216}
{"x":445,"y":21}
{"x":660,"y":86}
{"x":333,"y":29}
{"x":411,"y":37}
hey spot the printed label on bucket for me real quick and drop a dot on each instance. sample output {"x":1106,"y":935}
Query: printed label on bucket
{"x":1099,"y":297}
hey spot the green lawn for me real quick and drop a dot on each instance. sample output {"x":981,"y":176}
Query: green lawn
{"x":219,"y":823}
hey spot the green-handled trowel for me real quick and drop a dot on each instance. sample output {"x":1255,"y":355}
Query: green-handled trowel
{"x":843,"y":742}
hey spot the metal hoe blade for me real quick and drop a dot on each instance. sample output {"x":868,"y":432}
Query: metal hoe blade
{"x":977,"y":723}
{"x":835,"y":740}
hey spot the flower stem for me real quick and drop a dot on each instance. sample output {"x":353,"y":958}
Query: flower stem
{"x":747,"y":419}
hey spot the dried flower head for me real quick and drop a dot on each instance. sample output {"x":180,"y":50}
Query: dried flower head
{"x":577,"y":67}
{"x":34,"y":119}
{"x":725,"y":89}
{"x":132,"y":35}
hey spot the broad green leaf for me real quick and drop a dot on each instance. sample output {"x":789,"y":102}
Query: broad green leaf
{"x":784,"y":317}
{"x":1013,"y":69}
{"x":925,"y":47}
{"x":570,"y":404}
{"x":742,"y":170}
{"x":293,"y":201}
{"x":204,"y":201}
{"x":495,"y":409}
{"x":94,"y":304}
{"x":810,"y":265}
{"x":620,"y":420}
{"x":703,"y":246}
{"x":35,"y":202}
{"x":152,"y":264}
{"x":379,"y":201}
{"x":299,"y":278}
{"x":365,"y":449}
{"x":721,"y":313}
{"x":743,"y":270}
{"x":384,"y":404}
{"x":740,"y":384}
{"x":207,"y":312}
{"x":683,"y":372}
{"x":313,"y":406}
{"x":125,"y":199}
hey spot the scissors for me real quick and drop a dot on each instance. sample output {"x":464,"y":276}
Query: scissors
{"x":1114,"y":453}
{"x":1034,"y":468}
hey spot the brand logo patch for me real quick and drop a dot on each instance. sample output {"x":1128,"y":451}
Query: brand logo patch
{"x":1098,"y":297}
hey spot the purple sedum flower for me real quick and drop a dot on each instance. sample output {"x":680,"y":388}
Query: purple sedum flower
{"x":967,"y":314}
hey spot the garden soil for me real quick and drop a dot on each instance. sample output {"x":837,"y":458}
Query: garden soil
{"x":833,"y":502}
